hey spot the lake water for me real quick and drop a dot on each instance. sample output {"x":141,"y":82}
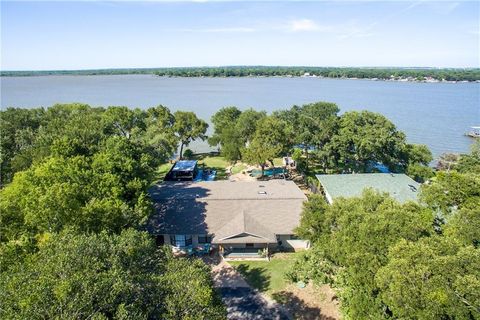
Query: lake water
{"x":435,"y":114}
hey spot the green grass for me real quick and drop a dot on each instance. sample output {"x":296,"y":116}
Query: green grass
{"x":267,"y":276}
{"x":239,"y":167}
{"x":218,"y":164}
{"x":161,"y":172}
{"x":278,"y":162}
{"x":214,"y":162}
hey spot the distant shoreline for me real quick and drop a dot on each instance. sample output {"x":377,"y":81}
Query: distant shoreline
{"x":449,"y":75}
{"x":252,"y":77}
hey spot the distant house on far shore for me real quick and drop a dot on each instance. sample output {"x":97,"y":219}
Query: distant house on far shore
{"x":399,"y":186}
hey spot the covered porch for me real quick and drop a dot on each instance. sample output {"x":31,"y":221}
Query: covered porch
{"x":246,"y":253}
{"x":245,"y":246}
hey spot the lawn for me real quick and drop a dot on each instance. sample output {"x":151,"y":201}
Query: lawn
{"x":278,"y":162}
{"x":239,"y":167}
{"x":161,"y":172}
{"x":215,"y":163}
{"x":267,"y":276}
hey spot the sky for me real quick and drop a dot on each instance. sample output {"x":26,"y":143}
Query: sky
{"x":63,"y":35}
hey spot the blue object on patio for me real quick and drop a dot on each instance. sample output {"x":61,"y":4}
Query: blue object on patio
{"x":206,"y":247}
{"x":189,"y":250}
{"x":205,"y":175}
{"x":203,"y":249}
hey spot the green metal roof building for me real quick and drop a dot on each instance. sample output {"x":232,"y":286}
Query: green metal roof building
{"x":399,"y":186}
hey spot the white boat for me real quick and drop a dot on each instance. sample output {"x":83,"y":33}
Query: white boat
{"x":474,"y":132}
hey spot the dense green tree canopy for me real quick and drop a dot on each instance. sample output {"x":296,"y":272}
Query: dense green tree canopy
{"x":312,"y":125}
{"x":105,"y":276}
{"x":364,"y":137}
{"x":450,"y":191}
{"x":470,"y":162}
{"x":123,"y":121}
{"x":433,"y":278}
{"x":106,"y":191}
{"x":18,"y":128}
{"x":29,"y":136}
{"x":352,"y":237}
{"x":400,"y":261}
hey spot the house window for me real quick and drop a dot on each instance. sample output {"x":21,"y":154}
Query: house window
{"x":204,"y":239}
{"x":249,"y":245}
{"x":181,"y":240}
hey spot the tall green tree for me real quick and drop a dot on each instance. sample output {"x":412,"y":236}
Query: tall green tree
{"x":233,"y":130}
{"x":160,"y":132}
{"x":246,"y":124}
{"x":271,"y":138}
{"x":224,"y":118}
{"x":188,"y":127}
{"x":464,"y":226}
{"x":232,"y":143}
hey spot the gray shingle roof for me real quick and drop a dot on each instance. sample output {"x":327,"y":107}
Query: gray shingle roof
{"x":226,"y":209}
{"x":245,"y":224}
{"x":399,"y":186}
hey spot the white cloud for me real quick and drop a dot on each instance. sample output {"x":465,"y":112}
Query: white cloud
{"x":218,"y":30}
{"x":306,"y":25}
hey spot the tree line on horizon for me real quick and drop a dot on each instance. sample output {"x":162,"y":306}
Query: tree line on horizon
{"x":383,"y":73}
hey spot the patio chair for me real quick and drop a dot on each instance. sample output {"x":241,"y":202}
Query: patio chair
{"x":189,"y":250}
{"x":206,"y":248}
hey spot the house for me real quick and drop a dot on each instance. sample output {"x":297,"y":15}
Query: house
{"x":238,"y":218}
{"x":399,"y":186}
{"x":183,"y":170}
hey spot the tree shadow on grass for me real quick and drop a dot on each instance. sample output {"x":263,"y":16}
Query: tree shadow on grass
{"x":255,"y":276}
{"x":297,"y":307}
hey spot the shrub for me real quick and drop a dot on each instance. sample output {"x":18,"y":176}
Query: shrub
{"x":188,"y":154}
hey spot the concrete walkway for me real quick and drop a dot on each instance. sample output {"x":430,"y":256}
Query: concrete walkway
{"x":242,"y":301}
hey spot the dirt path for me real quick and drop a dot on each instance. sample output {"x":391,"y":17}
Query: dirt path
{"x":310,"y":303}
